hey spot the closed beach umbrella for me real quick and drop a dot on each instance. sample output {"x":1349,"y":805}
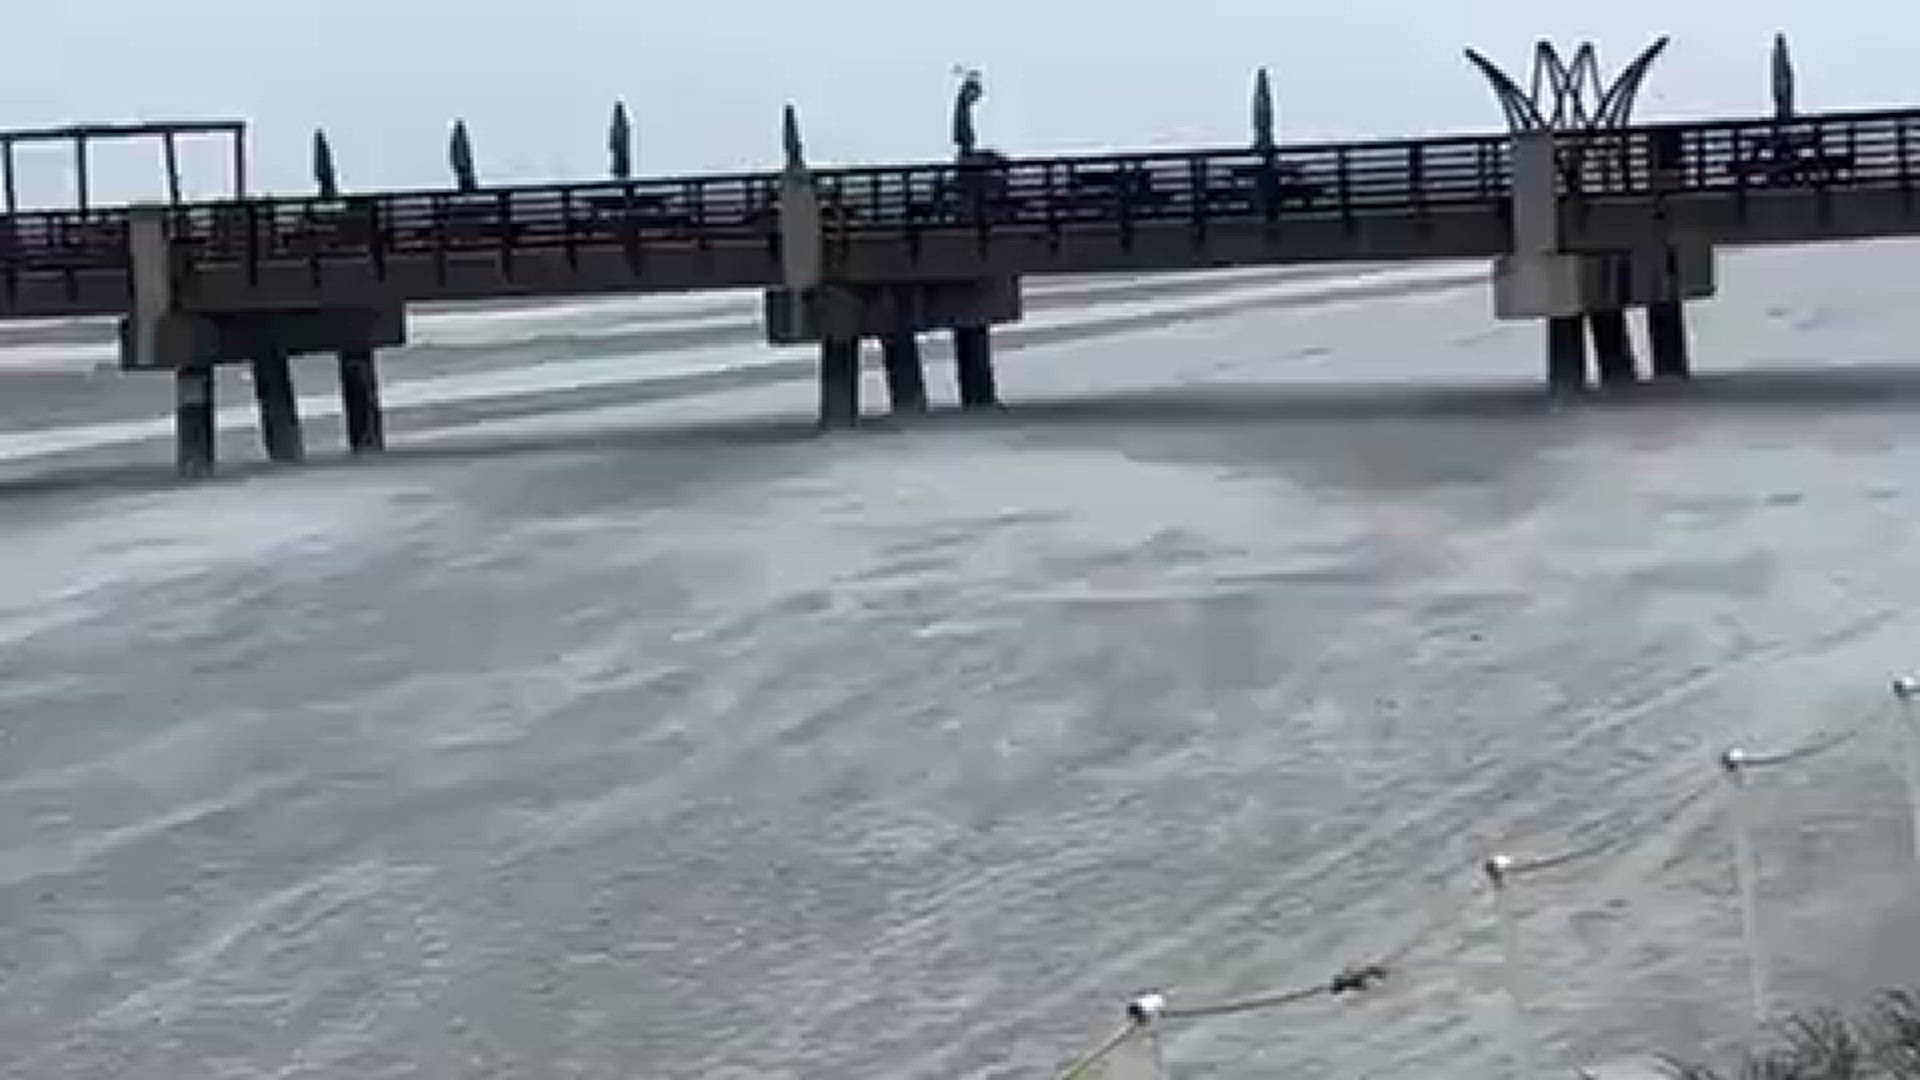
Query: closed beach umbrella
{"x":620,"y":144}
{"x":460,"y":156}
{"x":1782,"y":79}
{"x":790,"y":140}
{"x":323,"y":174}
{"x":1262,"y":112}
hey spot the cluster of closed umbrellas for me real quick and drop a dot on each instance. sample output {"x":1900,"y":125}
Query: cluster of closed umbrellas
{"x":460,"y":156}
{"x":972,"y":89}
{"x":620,"y":138}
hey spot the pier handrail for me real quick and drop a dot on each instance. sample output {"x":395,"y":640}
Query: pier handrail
{"x":1115,"y":192}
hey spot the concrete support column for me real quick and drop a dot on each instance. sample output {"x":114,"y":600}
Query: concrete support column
{"x":973,"y":365}
{"x":193,"y":419}
{"x":1566,"y":354}
{"x":1613,"y":347}
{"x":839,"y":382}
{"x":906,"y":378}
{"x":279,"y":412}
{"x":360,"y":401}
{"x":1667,"y":338}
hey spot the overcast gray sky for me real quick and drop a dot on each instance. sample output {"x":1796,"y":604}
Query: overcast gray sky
{"x":873,"y":79}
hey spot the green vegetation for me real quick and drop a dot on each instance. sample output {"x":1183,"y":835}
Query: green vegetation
{"x":1824,"y":1045}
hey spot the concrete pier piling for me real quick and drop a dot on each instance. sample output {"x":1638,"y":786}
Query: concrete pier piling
{"x":839,"y":382}
{"x":973,"y":367}
{"x":839,"y":316}
{"x":193,"y":420}
{"x":360,"y":401}
{"x":279,"y":411}
{"x":1613,"y":348}
{"x":906,"y":377}
{"x":1667,"y":339}
{"x":1566,"y":354}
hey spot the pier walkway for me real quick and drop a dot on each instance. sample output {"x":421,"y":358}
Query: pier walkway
{"x":1580,"y":223}
{"x":1818,"y":177}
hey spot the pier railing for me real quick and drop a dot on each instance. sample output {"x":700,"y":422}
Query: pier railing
{"x":1173,"y":186}
{"x":1841,"y":150}
{"x":1109,"y":193}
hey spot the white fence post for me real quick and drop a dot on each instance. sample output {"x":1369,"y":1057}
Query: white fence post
{"x":1133,"y":1052}
{"x":1747,"y":870}
{"x":1499,"y":870}
{"x":1905,"y":690}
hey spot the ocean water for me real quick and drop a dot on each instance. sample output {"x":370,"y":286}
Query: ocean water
{"x":617,"y":724}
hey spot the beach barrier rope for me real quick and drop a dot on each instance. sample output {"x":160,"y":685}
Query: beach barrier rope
{"x":1355,"y":979}
{"x":1517,"y":866}
{"x":1146,"y":1012}
{"x":1149,"y":1009}
{"x":1818,"y":744}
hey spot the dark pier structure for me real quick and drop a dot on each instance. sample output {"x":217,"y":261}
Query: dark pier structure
{"x":1584,"y":215}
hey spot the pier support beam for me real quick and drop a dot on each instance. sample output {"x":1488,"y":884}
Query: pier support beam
{"x":1566,"y":354}
{"x":1613,"y":347}
{"x":906,"y":378}
{"x":973,"y":366}
{"x":279,"y":412}
{"x":1667,"y":339}
{"x":839,"y":382}
{"x":193,"y":420}
{"x":360,"y":401}
{"x":837,"y":315}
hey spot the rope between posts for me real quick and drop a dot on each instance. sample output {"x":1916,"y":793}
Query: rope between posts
{"x":1362,"y":977}
{"x":1632,"y":832}
{"x":1144,"y":1011}
{"x":1815,"y":746}
{"x":1355,"y":979}
{"x":1352,"y":980}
